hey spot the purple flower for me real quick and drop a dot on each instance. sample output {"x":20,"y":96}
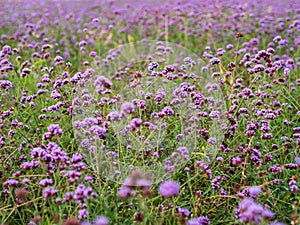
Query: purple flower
{"x":58,"y":59}
{"x":10,"y":183}
{"x":55,"y":94}
{"x":88,"y":178}
{"x":49,"y":192}
{"x":68,"y":196}
{"x":220,"y":159}
{"x":252,"y":212}
{"x":290,"y":166}
{"x":55,"y":129}
{"x":183,"y":212}
{"x":135,"y":122}
{"x":203,"y":220}
{"x":267,"y":136}
{"x":204,"y":167}
{"x":85,"y":222}
{"x":45,"y":182}
{"x":214,"y":61}
{"x":214,"y":114}
{"x":124,"y":192}
{"x":254,"y":191}
{"x":215,"y":183}
{"x":258,"y":68}
{"x":168,"y":111}
{"x":100,"y":132}
{"x":169,"y":188}
{"x":277,"y":38}
{"x":29,"y":165}
{"x":5,"y":84}
{"x":267,"y":214}
{"x":229,"y":46}
{"x":26,"y":71}
{"x":236,"y":160}
{"x":58,"y":201}
{"x":297,"y":160}
{"x":276,"y":223}
{"x":152,"y":66}
{"x":114,"y":116}
{"x":101,"y":220}
{"x":128,"y":108}
{"x":100,"y":83}
{"x":6,"y":49}
{"x":183,"y":151}
{"x":223,"y":192}
{"x":275,"y":168}
{"x":25,"y":181}
{"x":212,"y":140}
{"x":82,"y":213}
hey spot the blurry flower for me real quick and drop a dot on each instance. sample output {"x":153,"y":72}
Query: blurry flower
{"x":124,"y":192}
{"x":21,"y":193}
{"x":199,"y":221}
{"x":10,"y":183}
{"x":212,"y":140}
{"x":169,"y":188}
{"x":135,"y":122}
{"x":138,"y":216}
{"x":252,"y":212}
{"x":101,"y":220}
{"x":82,"y":213}
{"x":49,"y":192}
{"x":297,"y":160}
{"x":55,"y":94}
{"x":277,"y":38}
{"x":254,"y":191}
{"x":55,"y":129}
{"x":128,"y":108}
{"x":138,"y":179}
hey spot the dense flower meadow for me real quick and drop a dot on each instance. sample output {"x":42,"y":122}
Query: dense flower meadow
{"x":213,"y":112}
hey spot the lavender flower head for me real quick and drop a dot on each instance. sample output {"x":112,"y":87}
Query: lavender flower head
{"x":203,"y":220}
{"x":128,"y":108}
{"x":249,"y":211}
{"x":169,"y":188}
{"x":101,"y":220}
{"x":254,"y":191}
{"x":55,"y":129}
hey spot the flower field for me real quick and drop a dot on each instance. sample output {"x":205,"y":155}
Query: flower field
{"x":149,"y":112}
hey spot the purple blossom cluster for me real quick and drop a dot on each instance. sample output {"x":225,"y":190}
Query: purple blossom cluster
{"x":252,"y":212}
{"x":169,"y":188}
{"x":199,"y":221}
